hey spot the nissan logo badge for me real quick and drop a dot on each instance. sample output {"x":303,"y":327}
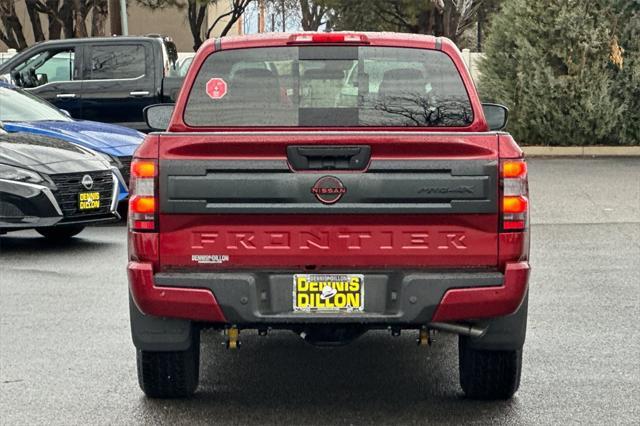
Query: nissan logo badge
{"x":87,"y":182}
{"x":328,"y":189}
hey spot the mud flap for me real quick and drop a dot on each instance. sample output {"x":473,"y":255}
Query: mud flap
{"x":157,"y":334}
{"x":503,"y":334}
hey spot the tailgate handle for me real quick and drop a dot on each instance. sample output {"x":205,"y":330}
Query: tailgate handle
{"x":328,"y":157}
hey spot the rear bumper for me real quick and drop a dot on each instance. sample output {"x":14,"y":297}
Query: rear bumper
{"x":404,"y":298}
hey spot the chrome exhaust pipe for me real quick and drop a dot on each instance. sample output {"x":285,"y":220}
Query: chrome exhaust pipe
{"x":463,"y":329}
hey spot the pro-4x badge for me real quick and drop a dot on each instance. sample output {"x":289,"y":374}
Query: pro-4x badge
{"x":328,"y":189}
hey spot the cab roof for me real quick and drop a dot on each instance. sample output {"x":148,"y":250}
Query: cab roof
{"x":372,"y":38}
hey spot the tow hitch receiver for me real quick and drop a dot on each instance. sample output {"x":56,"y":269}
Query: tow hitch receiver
{"x":233,"y":338}
{"x":424,"y":338}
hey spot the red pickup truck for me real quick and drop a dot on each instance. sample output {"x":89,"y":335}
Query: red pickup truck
{"x":328,"y":184}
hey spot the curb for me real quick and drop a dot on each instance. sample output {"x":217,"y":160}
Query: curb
{"x":581,"y":151}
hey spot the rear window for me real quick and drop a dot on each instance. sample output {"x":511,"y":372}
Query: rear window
{"x":115,"y":62}
{"x":328,"y":86}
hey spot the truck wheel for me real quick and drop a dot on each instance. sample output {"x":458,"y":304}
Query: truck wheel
{"x":63,"y":232}
{"x":169,"y":374}
{"x":489,"y":374}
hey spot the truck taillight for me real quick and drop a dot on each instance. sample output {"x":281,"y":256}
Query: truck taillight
{"x":515,"y":191}
{"x":142,"y":195}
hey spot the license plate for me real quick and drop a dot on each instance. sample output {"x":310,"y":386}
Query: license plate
{"x":89,"y":200}
{"x":328,"y":292}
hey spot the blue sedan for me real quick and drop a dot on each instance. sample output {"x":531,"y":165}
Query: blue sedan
{"x":22,"y":112}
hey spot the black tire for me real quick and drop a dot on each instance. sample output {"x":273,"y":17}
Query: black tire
{"x":60,"y":233}
{"x":489,"y":374}
{"x":170,"y":374}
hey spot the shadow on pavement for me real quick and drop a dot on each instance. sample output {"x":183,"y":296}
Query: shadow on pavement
{"x":34,"y":243}
{"x":282,"y":380}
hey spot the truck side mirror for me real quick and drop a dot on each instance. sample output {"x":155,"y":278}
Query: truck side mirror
{"x":157,"y":116}
{"x":496,"y":116}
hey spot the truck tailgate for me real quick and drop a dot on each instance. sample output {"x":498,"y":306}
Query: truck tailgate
{"x":236,"y":201}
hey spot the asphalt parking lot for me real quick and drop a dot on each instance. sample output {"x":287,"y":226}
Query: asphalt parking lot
{"x":66,"y":356}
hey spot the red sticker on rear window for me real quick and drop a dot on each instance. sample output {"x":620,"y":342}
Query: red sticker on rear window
{"x":216,"y":88}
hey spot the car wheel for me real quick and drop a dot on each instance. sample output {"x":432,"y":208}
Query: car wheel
{"x":169,"y":374}
{"x":489,"y":374}
{"x":63,"y":232}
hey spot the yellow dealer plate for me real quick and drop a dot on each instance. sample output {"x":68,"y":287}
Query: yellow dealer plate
{"x":328,"y":292}
{"x":89,"y":200}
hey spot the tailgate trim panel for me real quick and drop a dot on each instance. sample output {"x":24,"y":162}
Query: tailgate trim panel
{"x":387,"y":186}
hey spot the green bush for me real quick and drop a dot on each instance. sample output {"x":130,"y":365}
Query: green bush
{"x":569,"y":70}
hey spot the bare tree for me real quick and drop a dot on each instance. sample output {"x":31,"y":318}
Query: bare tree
{"x":196,"y":13}
{"x":99,"y":17}
{"x":313,"y":15}
{"x":34,"y":18}
{"x":79,"y":15}
{"x":58,"y":15}
{"x":449,"y":18}
{"x":237,"y":9}
{"x":283,"y":12}
{"x":464,"y":14}
{"x":64,"y":18}
{"x":11,"y":32}
{"x":414,"y":109}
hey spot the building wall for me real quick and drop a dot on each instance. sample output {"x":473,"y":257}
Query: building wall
{"x":171,"y":22}
{"x":174,"y":23}
{"x":472,"y":60}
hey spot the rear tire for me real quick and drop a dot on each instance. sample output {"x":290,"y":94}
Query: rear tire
{"x":489,"y":374}
{"x":60,"y":233}
{"x":170,"y":374}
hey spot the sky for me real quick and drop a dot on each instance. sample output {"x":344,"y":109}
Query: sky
{"x":251,"y":20}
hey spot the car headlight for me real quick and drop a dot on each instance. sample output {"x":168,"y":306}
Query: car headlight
{"x":113,"y":161}
{"x":19,"y":175}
